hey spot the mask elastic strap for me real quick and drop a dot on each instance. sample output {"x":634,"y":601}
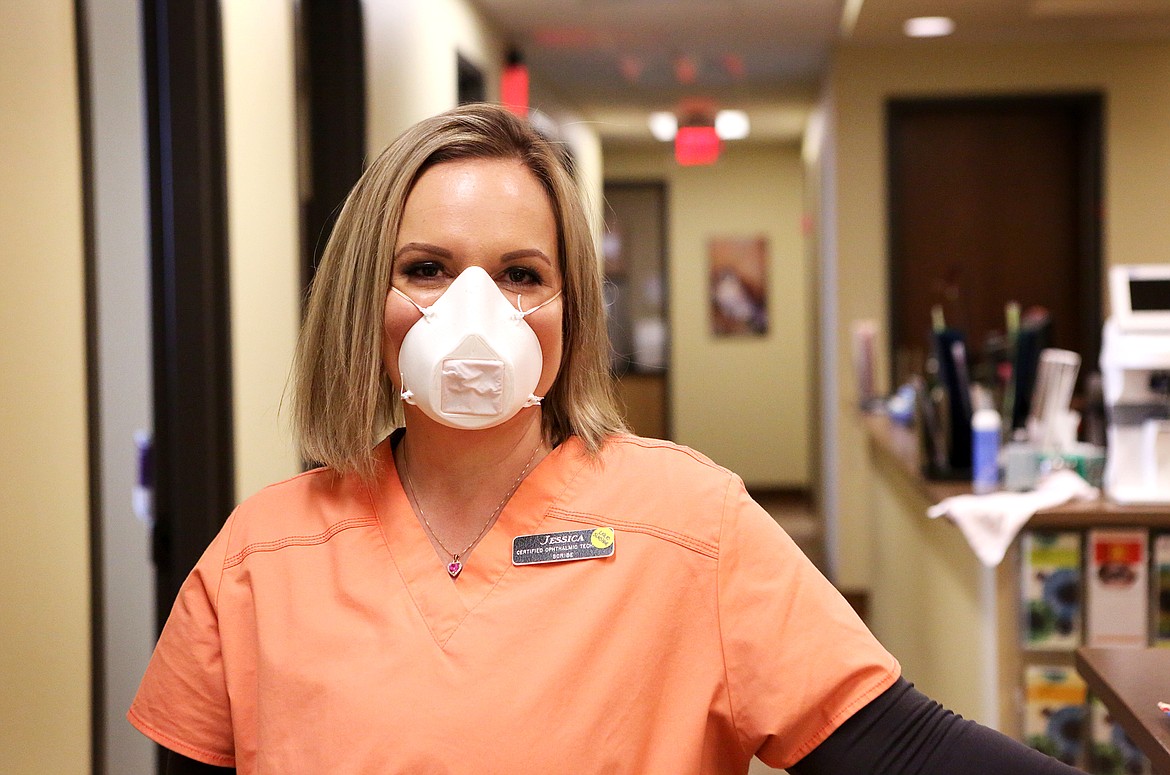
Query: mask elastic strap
{"x":532,"y":398}
{"x":523,"y":313}
{"x":405,"y":394}
{"x":426,"y":311}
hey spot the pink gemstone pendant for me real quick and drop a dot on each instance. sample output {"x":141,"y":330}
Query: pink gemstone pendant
{"x":454,"y":567}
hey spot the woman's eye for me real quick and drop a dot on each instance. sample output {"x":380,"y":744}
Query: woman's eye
{"x":424,"y":270}
{"x":518,"y":275}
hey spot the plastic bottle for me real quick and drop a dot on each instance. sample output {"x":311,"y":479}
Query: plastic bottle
{"x":985,"y":431}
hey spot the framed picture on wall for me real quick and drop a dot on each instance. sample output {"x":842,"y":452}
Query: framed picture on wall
{"x":738,"y":285}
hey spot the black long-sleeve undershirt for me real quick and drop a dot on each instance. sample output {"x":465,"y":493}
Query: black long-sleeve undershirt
{"x":904,"y":732}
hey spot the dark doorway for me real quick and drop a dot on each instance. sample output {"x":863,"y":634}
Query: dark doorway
{"x":991,"y":201}
{"x":331,"y":83}
{"x":634,"y":251}
{"x":193,"y":447}
{"x":471,"y":85}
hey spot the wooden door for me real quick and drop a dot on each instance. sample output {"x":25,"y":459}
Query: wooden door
{"x":990,"y":201}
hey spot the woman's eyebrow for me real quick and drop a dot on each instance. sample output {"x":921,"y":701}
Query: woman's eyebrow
{"x":512,"y":255}
{"x":423,"y":247}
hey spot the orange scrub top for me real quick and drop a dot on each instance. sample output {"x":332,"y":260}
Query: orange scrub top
{"x":320,"y":632}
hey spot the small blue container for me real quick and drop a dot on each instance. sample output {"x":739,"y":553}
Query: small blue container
{"x":985,"y":430}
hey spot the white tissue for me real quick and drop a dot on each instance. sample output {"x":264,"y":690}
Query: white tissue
{"x":990,"y":522}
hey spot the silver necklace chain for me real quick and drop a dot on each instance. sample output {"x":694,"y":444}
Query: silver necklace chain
{"x":456,"y":565}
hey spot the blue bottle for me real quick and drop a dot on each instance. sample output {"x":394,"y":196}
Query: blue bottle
{"x":985,"y":431}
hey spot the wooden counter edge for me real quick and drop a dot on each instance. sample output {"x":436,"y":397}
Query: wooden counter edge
{"x":1146,"y":726}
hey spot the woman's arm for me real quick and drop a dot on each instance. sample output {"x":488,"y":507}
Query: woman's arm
{"x":903,"y":731}
{"x":177,"y":764}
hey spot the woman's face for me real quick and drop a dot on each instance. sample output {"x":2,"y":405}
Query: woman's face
{"x":490,"y":213}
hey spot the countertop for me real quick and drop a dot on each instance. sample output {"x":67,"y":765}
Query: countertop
{"x":1131,"y":682}
{"x":899,"y":446}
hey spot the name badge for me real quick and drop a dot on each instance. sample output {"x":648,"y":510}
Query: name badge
{"x":585,"y":544}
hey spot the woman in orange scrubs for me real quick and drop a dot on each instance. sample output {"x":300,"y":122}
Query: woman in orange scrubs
{"x":509,"y":582}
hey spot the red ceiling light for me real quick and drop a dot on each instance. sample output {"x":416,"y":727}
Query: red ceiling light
{"x":696,"y":145}
{"x":514,"y":85}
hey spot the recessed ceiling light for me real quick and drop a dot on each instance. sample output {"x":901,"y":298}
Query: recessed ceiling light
{"x":928,"y":26}
{"x":732,"y":124}
{"x":663,"y":125}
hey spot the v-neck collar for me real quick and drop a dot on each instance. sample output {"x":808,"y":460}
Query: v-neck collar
{"x":442,"y":601}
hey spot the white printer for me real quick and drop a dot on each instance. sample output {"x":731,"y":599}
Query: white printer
{"x":1135,"y":373}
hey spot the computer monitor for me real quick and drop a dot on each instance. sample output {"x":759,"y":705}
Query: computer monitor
{"x":1140,"y":297}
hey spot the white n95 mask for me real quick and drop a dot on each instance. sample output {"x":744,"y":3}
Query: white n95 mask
{"x":471,"y":361}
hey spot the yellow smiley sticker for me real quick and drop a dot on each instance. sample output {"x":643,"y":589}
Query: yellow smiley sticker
{"x":602,"y":537}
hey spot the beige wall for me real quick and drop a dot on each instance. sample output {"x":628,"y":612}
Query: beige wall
{"x":943,"y":633}
{"x":411,"y":48}
{"x":588,"y":156}
{"x":263,"y":233}
{"x":44,"y":494}
{"x":742,"y":401}
{"x":582,"y":138}
{"x":1133,"y":78}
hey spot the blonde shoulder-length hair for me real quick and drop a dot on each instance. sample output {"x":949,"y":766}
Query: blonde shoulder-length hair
{"x":343,"y":400}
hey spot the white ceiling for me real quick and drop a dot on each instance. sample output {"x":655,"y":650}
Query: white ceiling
{"x":619,"y":59}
